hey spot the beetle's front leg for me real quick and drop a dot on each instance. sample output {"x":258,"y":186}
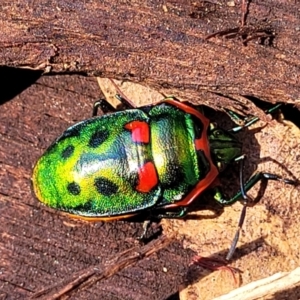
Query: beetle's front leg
{"x":248,"y":120}
{"x":241,"y":194}
{"x":218,"y":196}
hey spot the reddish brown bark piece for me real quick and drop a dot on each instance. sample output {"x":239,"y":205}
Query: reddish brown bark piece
{"x":162,"y":45}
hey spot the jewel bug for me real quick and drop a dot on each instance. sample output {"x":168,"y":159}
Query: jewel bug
{"x":157,"y":159}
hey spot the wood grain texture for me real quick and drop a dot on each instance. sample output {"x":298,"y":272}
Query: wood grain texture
{"x":162,"y":45}
{"x":41,"y":248}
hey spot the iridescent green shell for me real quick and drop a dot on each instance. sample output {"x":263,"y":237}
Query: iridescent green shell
{"x":96,"y":167}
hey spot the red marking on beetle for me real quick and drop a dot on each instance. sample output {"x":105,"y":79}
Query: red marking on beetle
{"x":147,"y":177}
{"x":140,"y":131}
{"x":200,"y":144}
{"x":189,"y":110}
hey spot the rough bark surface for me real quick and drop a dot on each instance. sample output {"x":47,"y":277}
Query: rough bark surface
{"x":41,"y":248}
{"x":162,"y":45}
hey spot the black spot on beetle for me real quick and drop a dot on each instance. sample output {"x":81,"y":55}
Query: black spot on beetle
{"x":98,"y":138}
{"x":174,"y":175}
{"x":203,"y":163}
{"x":198,"y":127}
{"x":73,"y":131}
{"x":105,"y":187}
{"x":67,"y":152}
{"x":74,"y":188}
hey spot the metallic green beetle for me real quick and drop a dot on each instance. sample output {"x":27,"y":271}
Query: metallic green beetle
{"x":156,"y":158}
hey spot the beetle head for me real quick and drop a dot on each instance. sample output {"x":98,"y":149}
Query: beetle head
{"x":224,"y":146}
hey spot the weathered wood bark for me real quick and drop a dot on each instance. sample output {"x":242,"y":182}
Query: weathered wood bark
{"x":163,"y":46}
{"x":41,"y":248}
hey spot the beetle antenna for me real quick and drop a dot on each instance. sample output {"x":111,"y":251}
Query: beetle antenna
{"x":243,"y":213}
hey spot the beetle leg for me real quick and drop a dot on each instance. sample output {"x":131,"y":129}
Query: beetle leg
{"x":171,"y":214}
{"x":146,"y":226}
{"x":179,"y":213}
{"x":126,"y":102}
{"x":105,"y":106}
{"x":244,"y":188}
{"x":248,"y":185}
{"x":248,"y":120}
{"x":242,"y":195}
{"x":122,"y":98}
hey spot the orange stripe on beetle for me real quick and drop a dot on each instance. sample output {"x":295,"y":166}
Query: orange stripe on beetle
{"x":140,"y":131}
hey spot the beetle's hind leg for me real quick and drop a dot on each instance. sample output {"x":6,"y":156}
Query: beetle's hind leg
{"x":176,"y":213}
{"x":126,"y":102}
{"x":168,"y":214}
{"x":146,"y":226}
{"x":104,"y":105}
